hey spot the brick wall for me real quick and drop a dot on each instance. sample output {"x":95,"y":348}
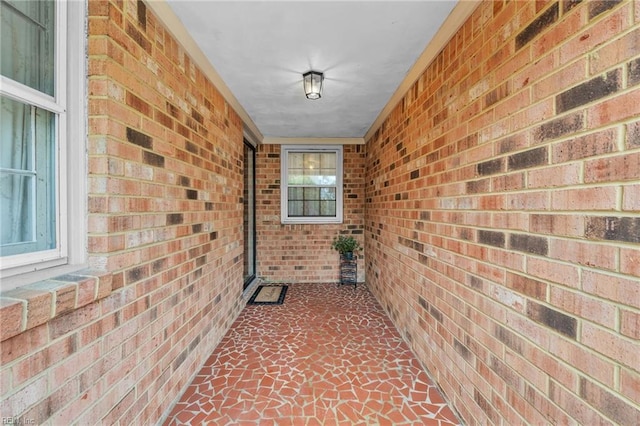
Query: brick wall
{"x":117,"y":343}
{"x":303,"y":253}
{"x":502,"y":220}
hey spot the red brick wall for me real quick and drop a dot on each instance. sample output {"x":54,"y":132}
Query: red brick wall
{"x":502,"y":217}
{"x":302,"y":253}
{"x":165,"y":221}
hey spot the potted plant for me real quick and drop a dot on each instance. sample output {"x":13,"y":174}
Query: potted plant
{"x":346,"y":245}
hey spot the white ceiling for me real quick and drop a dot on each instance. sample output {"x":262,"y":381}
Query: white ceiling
{"x":260,"y":49}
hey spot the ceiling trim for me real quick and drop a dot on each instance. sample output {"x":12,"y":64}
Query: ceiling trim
{"x":172,"y":24}
{"x":458,"y":16}
{"x":312,"y":141}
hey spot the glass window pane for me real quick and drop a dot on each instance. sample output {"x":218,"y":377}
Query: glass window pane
{"x":17,"y":209}
{"x":295,"y":160}
{"x":312,"y":208}
{"x":311,"y":184}
{"x":295,"y":208}
{"x":27,"y":42}
{"x":328,"y":177}
{"x":27,"y":187}
{"x":311,"y":161}
{"x":327,"y":208}
{"x":327,"y":193}
{"x":296,"y":193}
{"x":312,"y":193}
{"x":328,"y":161}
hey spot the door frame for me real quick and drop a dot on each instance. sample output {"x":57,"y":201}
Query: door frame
{"x":249,"y":270}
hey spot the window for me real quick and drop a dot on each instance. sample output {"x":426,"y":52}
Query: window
{"x":311,"y":184}
{"x":42,"y":46}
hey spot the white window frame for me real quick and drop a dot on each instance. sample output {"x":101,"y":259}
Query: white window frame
{"x":69,"y":105}
{"x":284,"y":187}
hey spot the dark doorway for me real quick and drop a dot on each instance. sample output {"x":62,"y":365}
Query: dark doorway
{"x":249,"y":200}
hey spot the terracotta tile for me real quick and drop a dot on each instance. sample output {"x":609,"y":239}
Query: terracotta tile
{"x":327,"y":356}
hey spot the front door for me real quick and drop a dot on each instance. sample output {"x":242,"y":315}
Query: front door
{"x":249,"y":200}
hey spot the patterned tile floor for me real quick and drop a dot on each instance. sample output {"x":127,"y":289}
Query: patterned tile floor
{"x":328,"y":356}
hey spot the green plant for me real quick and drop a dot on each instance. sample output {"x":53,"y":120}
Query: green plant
{"x":343,"y":244}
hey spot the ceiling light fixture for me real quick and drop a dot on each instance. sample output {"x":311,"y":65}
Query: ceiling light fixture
{"x":312,"y":84}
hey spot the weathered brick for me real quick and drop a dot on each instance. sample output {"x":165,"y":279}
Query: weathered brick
{"x":591,"y":145}
{"x":492,"y":238}
{"x":589,"y":91}
{"x":139,"y":138}
{"x":623,"y":351}
{"x":490,"y":167}
{"x":527,"y":286}
{"x":541,"y":23}
{"x":175,"y":218}
{"x":611,"y":405}
{"x":630,"y":384}
{"x":630,"y":261}
{"x":633,"y":135}
{"x":435,"y":313}
{"x":553,"y":224}
{"x":621,"y":167}
{"x":11,"y":319}
{"x":153,"y":159}
{"x":497,"y":94}
{"x":138,"y":37}
{"x":138,"y":104}
{"x":613,"y":228}
{"x":478,"y":186}
{"x":630,"y":324}
{"x":594,"y":198}
{"x":618,"y":289}
{"x":529,"y":244}
{"x":598,"y":7}
{"x":633,"y":73}
{"x":142,"y":14}
{"x":486,"y":406}
{"x":509,"y":338}
{"x":613,"y":52}
{"x":584,"y":306}
{"x":533,"y":157}
{"x":624,"y":106}
{"x":584,"y":253}
{"x":567,"y":5}
{"x":463,"y":350}
{"x":556,"y":320}
{"x":559,"y":127}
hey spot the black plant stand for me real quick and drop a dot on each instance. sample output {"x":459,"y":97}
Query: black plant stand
{"x":348,"y":269}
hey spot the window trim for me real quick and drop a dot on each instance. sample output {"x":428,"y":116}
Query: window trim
{"x":70,"y":107}
{"x":284,"y":187}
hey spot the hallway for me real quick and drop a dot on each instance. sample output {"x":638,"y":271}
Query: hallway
{"x":329,"y":355}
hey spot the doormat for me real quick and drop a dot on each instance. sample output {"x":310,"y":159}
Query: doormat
{"x":269,"y":295}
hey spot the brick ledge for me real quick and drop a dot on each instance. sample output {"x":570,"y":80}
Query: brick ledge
{"x":34,"y":304}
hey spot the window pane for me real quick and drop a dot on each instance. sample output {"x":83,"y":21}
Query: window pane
{"x":17,"y":209}
{"x":295,"y":208}
{"x":327,"y":193}
{"x":312,"y":208}
{"x":296,"y":193}
{"x":327,"y":208}
{"x":312,"y":169}
{"x":27,"y":187}
{"x":310,"y":181}
{"x":27,"y":41}
{"x":311,"y":194}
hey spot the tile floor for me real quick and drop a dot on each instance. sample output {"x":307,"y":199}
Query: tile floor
{"x":328,"y":356}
